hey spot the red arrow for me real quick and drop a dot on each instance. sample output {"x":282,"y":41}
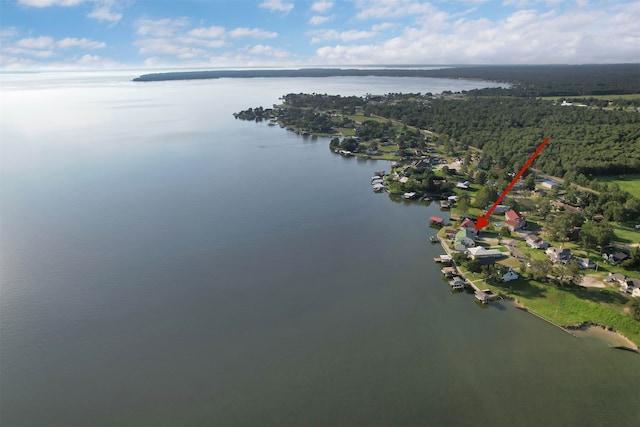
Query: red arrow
{"x":483,"y":220}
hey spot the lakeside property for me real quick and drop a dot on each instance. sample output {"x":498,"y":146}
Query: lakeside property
{"x":575,"y":254}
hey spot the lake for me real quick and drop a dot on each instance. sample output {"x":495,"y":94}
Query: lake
{"x":165,"y":264}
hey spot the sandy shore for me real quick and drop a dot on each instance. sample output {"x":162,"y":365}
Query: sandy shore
{"x":612,"y":338}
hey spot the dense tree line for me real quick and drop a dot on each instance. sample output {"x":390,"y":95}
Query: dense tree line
{"x":585,"y":141}
{"x":527,"y":80}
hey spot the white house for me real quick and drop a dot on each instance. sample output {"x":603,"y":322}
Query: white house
{"x":509,"y":275}
{"x":479,"y":252}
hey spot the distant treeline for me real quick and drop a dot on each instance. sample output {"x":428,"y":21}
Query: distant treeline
{"x":527,"y":80}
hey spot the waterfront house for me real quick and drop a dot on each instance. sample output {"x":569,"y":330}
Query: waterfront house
{"x":536,"y":242}
{"x":465,"y":238}
{"x":480,"y":252}
{"x":468,"y":223}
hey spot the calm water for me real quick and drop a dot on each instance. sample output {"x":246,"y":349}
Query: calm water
{"x":165,"y":264}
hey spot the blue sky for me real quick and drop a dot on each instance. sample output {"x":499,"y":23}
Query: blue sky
{"x":67,"y":34}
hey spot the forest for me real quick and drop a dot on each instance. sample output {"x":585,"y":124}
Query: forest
{"x":526,"y":80}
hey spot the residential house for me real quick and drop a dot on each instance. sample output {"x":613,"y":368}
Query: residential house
{"x":616,"y":277}
{"x":586,"y":263}
{"x":509,"y":275}
{"x":550,"y":184}
{"x":559,"y":255}
{"x":514,"y":220}
{"x":468,"y":223}
{"x":463,"y":185}
{"x":499,"y":210}
{"x":465,"y":238}
{"x":479,"y":252}
{"x":424,"y":163}
{"x":536,"y":242}
{"x":615,"y":257}
{"x":629,"y":285}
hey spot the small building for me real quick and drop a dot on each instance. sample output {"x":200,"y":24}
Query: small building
{"x":436,"y":220}
{"x":457,"y":283}
{"x":448,"y":271}
{"x":586,"y":263}
{"x":509,"y":275}
{"x":629,"y":285}
{"x":445,"y":204}
{"x":409,"y":195}
{"x":549,"y":183}
{"x":463,"y":185}
{"x":450,"y":233}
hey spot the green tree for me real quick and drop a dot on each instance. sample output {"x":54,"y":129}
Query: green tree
{"x":486,"y":196}
{"x":480,"y":177}
{"x":529,"y":183}
{"x":595,"y":234}
{"x":464,"y":201}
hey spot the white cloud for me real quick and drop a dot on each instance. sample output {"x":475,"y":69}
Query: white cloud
{"x":376,"y":9}
{"x":320,"y":36}
{"x":102,"y":12}
{"x":212,"y":32}
{"x":252,"y":32}
{"x":319,"y":19}
{"x":43,"y":42}
{"x":277,"y":6}
{"x":577,"y":35}
{"x":269,"y":51}
{"x":48,"y":3}
{"x":160,"y":27}
{"x":322,"y":6}
{"x":80,"y":43}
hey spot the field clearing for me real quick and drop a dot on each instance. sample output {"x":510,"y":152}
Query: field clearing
{"x":629,"y":182}
{"x":632,"y":96}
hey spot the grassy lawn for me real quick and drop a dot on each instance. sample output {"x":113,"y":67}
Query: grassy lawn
{"x":605,"y":97}
{"x":626,"y":234}
{"x":573,"y":306}
{"x":628,"y":182}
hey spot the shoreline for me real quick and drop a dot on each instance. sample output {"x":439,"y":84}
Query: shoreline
{"x":587,"y":329}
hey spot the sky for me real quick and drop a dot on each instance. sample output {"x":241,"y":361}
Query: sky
{"x":154,"y":34}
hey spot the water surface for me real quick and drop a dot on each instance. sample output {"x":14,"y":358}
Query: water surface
{"x":166,"y":264}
